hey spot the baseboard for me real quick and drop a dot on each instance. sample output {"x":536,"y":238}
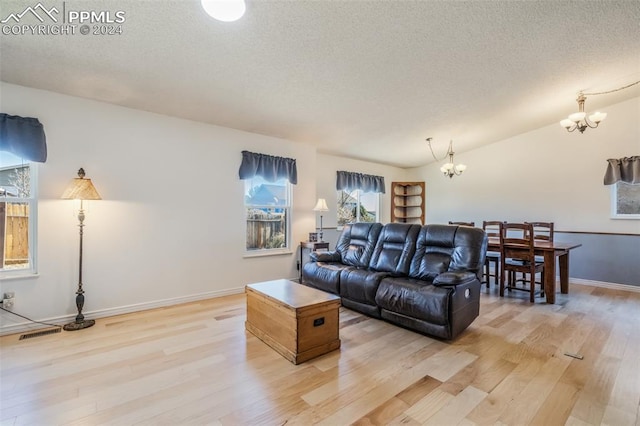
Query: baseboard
{"x":102,"y":313}
{"x":613,"y":286}
{"x":593,"y":283}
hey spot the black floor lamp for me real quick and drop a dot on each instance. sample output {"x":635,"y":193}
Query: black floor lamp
{"x":80,"y":189}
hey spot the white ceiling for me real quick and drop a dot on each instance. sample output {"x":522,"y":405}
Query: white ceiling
{"x":363,"y":79}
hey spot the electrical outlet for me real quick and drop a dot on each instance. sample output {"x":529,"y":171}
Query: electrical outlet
{"x":7,"y":303}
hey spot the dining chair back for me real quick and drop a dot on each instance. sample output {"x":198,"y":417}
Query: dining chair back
{"x":542,"y":231}
{"x":517,"y":254}
{"x":492,"y":229}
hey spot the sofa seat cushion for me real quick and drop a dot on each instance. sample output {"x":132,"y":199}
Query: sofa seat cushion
{"x":324,"y":275}
{"x":360,"y":285}
{"x":415,"y":298}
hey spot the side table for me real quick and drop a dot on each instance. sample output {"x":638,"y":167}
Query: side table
{"x":313,"y":246}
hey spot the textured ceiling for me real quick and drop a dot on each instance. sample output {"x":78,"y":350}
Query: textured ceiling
{"x":364,"y":79}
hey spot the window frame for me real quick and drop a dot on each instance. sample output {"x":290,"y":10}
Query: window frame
{"x":614,"y":204}
{"x":32,"y":201}
{"x":288,"y":210}
{"x":359,"y":192}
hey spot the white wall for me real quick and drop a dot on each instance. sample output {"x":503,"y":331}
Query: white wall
{"x":547,"y":175}
{"x":170,"y":226}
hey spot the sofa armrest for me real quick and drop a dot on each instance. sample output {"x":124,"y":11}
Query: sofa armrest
{"x":325,"y":256}
{"x":454,"y":278}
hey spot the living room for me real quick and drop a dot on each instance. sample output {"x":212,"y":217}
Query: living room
{"x":112,"y":144}
{"x":170,"y":227}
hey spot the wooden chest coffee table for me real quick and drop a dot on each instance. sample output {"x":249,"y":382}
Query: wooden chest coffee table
{"x":299,"y":322}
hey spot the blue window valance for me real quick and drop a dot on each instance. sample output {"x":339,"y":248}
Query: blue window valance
{"x":268,"y":167}
{"x":625,"y":169}
{"x":23,"y":137}
{"x":366,"y":183}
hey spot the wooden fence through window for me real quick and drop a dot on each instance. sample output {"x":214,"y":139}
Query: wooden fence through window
{"x":14,"y":226}
{"x":265,"y":230}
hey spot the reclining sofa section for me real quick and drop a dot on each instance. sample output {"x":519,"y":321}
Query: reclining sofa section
{"x":425,"y":278}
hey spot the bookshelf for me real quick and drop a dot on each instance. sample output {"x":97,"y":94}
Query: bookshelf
{"x":407,"y":202}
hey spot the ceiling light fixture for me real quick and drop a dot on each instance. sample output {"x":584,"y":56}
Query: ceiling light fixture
{"x":579,"y":120}
{"x":224,"y":10}
{"x":449,"y":169}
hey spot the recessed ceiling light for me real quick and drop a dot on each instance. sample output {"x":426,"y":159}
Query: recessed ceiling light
{"x":224,"y":10}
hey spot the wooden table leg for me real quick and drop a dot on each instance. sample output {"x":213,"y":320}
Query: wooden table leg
{"x":550,"y":276}
{"x":563,"y":261}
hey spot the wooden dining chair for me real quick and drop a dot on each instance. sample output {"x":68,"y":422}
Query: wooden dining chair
{"x":517,"y":254}
{"x":492,"y":229}
{"x":472,"y":224}
{"x":542,"y":231}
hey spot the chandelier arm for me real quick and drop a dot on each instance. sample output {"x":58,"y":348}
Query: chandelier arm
{"x":588,"y":123}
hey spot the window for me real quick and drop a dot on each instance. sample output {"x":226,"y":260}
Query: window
{"x":17,"y":215}
{"x":357,"y":206}
{"x":268,"y":209}
{"x":625,"y":200}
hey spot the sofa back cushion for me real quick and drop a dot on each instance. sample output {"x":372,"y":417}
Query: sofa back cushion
{"x":356,"y":243}
{"x":395,"y":248}
{"x":470,"y":250}
{"x":442,"y":248}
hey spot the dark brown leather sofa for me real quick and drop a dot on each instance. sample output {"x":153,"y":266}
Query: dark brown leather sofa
{"x":425,"y":278}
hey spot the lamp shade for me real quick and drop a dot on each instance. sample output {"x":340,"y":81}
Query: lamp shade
{"x":81,"y":189}
{"x":566,"y":123}
{"x":597,"y":117}
{"x":321,"y":205}
{"x":577,"y":116}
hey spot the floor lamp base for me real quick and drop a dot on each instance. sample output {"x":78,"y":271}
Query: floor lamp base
{"x":78,"y":325}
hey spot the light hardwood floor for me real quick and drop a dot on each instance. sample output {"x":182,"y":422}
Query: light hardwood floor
{"x":195,"y":364}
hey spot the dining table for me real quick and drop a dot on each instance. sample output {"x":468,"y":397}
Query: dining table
{"x":549,"y":250}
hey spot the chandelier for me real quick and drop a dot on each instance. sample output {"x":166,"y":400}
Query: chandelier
{"x":449,"y":169}
{"x":579,"y":120}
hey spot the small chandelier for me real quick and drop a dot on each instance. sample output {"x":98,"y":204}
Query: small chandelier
{"x":449,"y":169}
{"x":579,"y":120}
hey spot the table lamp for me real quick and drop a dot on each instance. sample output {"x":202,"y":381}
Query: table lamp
{"x":321,"y":206}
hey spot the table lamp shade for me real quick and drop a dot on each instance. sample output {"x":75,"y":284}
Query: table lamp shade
{"x":321,"y":205}
{"x":81,"y":189}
